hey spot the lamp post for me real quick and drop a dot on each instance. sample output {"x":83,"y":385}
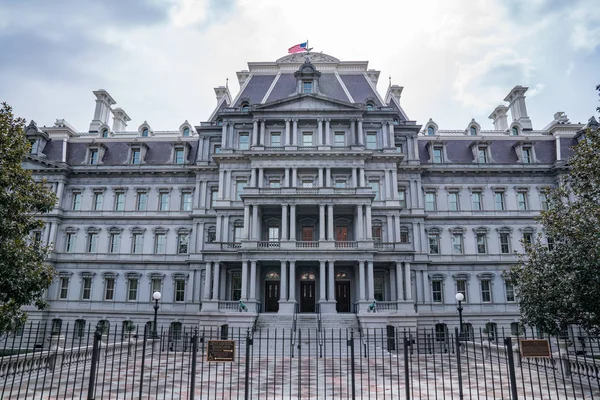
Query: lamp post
{"x":156,"y":296}
{"x":460,"y":297}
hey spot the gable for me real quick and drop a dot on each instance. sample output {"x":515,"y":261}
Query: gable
{"x":307,"y":102}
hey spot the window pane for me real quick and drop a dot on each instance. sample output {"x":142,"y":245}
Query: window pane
{"x":179,"y":156}
{"x":457,"y":247}
{"x":339,"y":139}
{"x":430,"y":201}
{"x":437,"y":156}
{"x":481,"y":243}
{"x":307,"y":139}
{"x":476,"y":196}
{"x":164,"y":202}
{"x":98,"y":198}
{"x":182,"y":241}
{"x":375,"y":187}
{"x":186,"y":202}
{"x":244,"y":141}
{"x":275,"y":139}
{"x":76,"y":201}
{"x":434,"y":244}
{"x":504,"y":243}
{"x":453,"y":201}
{"x":371,"y":141}
{"x":499,"y":200}
{"x":436,"y":291}
{"x":486,"y":293}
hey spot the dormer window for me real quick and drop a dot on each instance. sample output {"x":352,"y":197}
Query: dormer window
{"x":307,"y":87}
{"x":33,"y":148}
{"x":186,"y":131}
{"x":137,"y":153}
{"x":473,"y":131}
{"x":482,"y":155}
{"x":93,"y":156}
{"x":370,"y":106}
{"x":219,"y":122}
{"x":136,"y":156}
{"x":514,"y":131}
{"x":430,"y":130}
{"x":95,"y":153}
{"x":180,"y":152}
{"x":396,"y":121}
{"x":526,"y":155}
{"x":145,"y":132}
{"x":245,"y":107}
{"x":307,"y":78}
{"x":104,"y":133}
{"x":179,"y":156}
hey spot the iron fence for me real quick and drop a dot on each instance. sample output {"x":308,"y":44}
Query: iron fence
{"x":123,"y":362}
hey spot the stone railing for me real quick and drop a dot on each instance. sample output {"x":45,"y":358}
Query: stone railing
{"x":268,"y":245}
{"x":386,"y":306}
{"x":384,"y":245}
{"x":307,"y":244}
{"x":344,"y":190}
{"x":230,"y":245}
{"x":229,"y":305}
{"x":307,"y":190}
{"x":346,"y":244}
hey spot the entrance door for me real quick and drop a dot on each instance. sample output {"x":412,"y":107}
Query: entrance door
{"x":342,"y":296}
{"x":271,"y":296}
{"x":341,"y":233}
{"x":307,"y":234}
{"x":307,"y":297}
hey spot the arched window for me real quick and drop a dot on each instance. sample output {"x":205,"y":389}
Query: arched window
{"x":490,"y":330}
{"x":103,"y":326}
{"x":56,"y":326}
{"x":430,"y":130}
{"x":441,"y":332}
{"x":104,"y":133}
{"x":175,"y":331}
{"x":370,"y":106}
{"x":79,"y":329}
{"x":186,"y":131}
{"x":145,"y":132}
{"x":396,"y":121}
{"x":473,"y":131}
{"x":272,"y":276}
{"x":245,"y":107}
{"x":219,"y":122}
{"x":514,"y":131}
{"x":307,"y":276}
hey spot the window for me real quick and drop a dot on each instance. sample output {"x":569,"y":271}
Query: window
{"x":396,"y":121}
{"x":186,"y":131}
{"x":274,"y":183}
{"x":550,"y":243}
{"x":457,"y":243}
{"x":434,"y":243}
{"x":402,"y":197}
{"x":179,"y":290}
{"x":98,"y":198}
{"x":109,"y":288}
{"x":399,"y":148}
{"x":473,"y":131}
{"x":93,"y":157}
{"x":86,"y":288}
{"x":404,"y":235}
{"x":70,"y":242}
{"x":499,"y":200}
{"x":461,"y":287}
{"x":453,"y":201}
{"x":476,"y":201}
{"x":37,"y":236}
{"x":136,"y":156}
{"x":339,"y":139}
{"x":145,"y":132}
{"x":514,"y":131}
{"x":214,"y":195}
{"x":371,"y":140}
{"x":543,"y":201}
{"x":33,"y":147}
{"x":79,"y":328}
{"x":504,"y":242}
{"x":142,"y":201}
{"x":481,"y":243}
{"x":340,"y":183}
{"x":114,"y":242}
{"x":436,"y":291}
{"x":486,"y":290}
{"x":510,"y":291}
{"x":370,"y":106}
{"x":137,"y":242}
{"x":490,"y":329}
{"x":307,"y":139}
{"x":105,"y":133}
{"x":64,"y":288}
{"x":160,"y":242}
{"x":239,"y":188}
{"x":132,"y":289}
{"x":430,"y":201}
{"x":376,"y":233}
{"x":76,"y":201}
{"x":155,"y":286}
{"x":482,"y":155}
{"x":179,"y":156}
{"x":307,"y":87}
{"x":245,"y":106}
{"x":211,"y":234}
{"x":238,"y":229}
{"x":526,"y":155}
{"x":375,"y":188}
{"x":217,"y":149}
{"x":186,"y":201}
{"x":92,"y":242}
{"x":522,"y":200}
{"x":275,"y":139}
{"x":273,"y":234}
{"x":244,"y":143}
{"x":119,"y":201}
{"x":437,"y":155}
{"x":163,"y":201}
{"x":379,"y":287}
{"x":440,"y":332}
{"x":182,"y":243}
{"x":528,"y":237}
{"x":236,"y":286}
{"x":307,"y":182}
{"x":430,"y":130}
{"x":516,"y":329}
{"x":56,"y":326}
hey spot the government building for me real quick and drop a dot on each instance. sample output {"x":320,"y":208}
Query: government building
{"x":308,"y":193}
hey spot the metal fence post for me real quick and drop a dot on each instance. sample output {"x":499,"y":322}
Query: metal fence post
{"x":458,"y":366}
{"x":511,"y":368}
{"x":94,"y":366}
{"x":299,"y":364}
{"x":194,"y":361}
{"x":142,"y":365}
{"x":406,"y":370}
{"x":247,"y":369}
{"x":352,"y":366}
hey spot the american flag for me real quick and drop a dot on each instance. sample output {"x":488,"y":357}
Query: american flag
{"x":298,"y":48}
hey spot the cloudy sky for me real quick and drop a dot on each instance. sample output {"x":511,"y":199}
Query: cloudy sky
{"x":161,"y":59}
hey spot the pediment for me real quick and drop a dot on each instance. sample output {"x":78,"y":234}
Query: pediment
{"x":307,"y":102}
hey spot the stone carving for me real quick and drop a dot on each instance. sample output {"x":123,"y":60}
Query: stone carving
{"x":312,"y":57}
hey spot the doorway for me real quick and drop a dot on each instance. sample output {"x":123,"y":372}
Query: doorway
{"x":307,"y":296}
{"x":341,"y":234}
{"x":271,"y":296}
{"x":342,"y":296}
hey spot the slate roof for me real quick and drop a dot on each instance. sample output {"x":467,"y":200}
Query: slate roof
{"x":285,"y":87}
{"x":359,"y":89}
{"x":256,"y":89}
{"x":330,"y":87}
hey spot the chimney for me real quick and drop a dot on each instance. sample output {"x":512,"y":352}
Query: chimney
{"x":103,"y":103}
{"x":120,"y":120}
{"x":221,"y":92}
{"x":518,"y":110}
{"x":499,"y":118}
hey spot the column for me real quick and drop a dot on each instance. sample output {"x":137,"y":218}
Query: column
{"x":368,"y":218}
{"x":284,"y":222}
{"x":331,"y":294}
{"x":225,"y":228}
{"x":246,"y":222}
{"x":407,"y":282}
{"x":255,"y":132}
{"x":397,"y":227}
{"x":361,"y":280}
{"x":294,"y":132}
{"x":384,"y":136}
{"x":320,"y":177}
{"x":293,"y":222}
{"x":283,"y":289}
{"x":224,"y":135}
{"x":327,"y":132}
{"x":393,"y":293}
{"x":255,"y":222}
{"x":221,"y":183}
{"x":295,"y":177}
{"x":354,"y":179}
{"x":286,"y":177}
{"x":322,"y":291}
{"x":399,"y":281}
{"x":227,"y":185}
{"x":391,"y":133}
{"x":371,"y":286}
{"x":360,"y":218}
{"x":292,"y":296}
{"x":387,"y":193}
{"x":261,"y":177}
{"x":321,"y":222}
{"x":207,"y":281}
{"x":327,"y":177}
{"x":360,"y":134}
{"x":287,"y":133}
{"x":244,"y":280}
{"x":361,"y":177}
{"x":252,"y":280}
{"x":219,"y":228}
{"x":262,"y":132}
{"x":395,"y":184}
{"x":319,"y":132}
{"x":390,"y":230}
{"x":330,"y":222}
{"x":215,"y":295}
{"x":353,"y":131}
{"x":200,"y":200}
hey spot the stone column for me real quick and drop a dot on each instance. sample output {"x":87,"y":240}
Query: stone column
{"x":292,"y":295}
{"x":330,"y":222}
{"x":319,"y":132}
{"x":244,"y":280}
{"x":203,"y":194}
{"x":252,"y":280}
{"x":246,"y":222}
{"x":216,"y":275}
{"x":219,"y":228}
{"x":328,"y":132}
{"x":287,"y":133}
{"x":331,"y":294}
{"x":395,"y":184}
{"x":397,"y":227}
{"x":224,"y":135}
{"x":320,"y":177}
{"x":261,"y":178}
{"x":393,"y":293}
{"x":399,"y":281}
{"x":225,"y":228}
{"x":390,"y":230}
{"x":368,"y":221}
{"x":371,"y":286}
{"x":322,"y":291}
{"x":354,"y":178}
{"x":361,"y":279}
{"x":221,"y":183}
{"x":294,"y":177}
{"x":361,"y":229}
{"x":321,"y":222}
{"x":407,"y":282}
{"x":353,"y":131}
{"x":227,"y":185}
{"x":253,"y":177}
{"x":360,"y":134}
{"x":254,"y":132}
{"x":327,"y":177}
{"x":384,"y":136}
{"x":293,"y":222}
{"x":262,"y":132}
{"x":294,"y":132}
{"x":361,"y":177}
{"x":255,"y":227}
{"x":284,"y":222}
{"x":286,"y":177}
{"x":206,"y":295}
{"x":391,"y":133}
{"x":284,"y":281}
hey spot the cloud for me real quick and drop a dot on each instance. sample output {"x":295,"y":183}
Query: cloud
{"x":189,"y":12}
{"x":538,"y":89}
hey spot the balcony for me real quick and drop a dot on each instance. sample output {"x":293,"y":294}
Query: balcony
{"x":231,"y":246}
{"x":268,"y":244}
{"x":307,"y":245}
{"x":306,"y":192}
{"x":346,"y":245}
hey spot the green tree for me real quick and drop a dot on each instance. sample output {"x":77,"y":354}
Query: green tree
{"x":560,"y":285}
{"x":23,"y":274}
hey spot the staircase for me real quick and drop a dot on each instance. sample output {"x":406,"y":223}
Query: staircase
{"x":307,"y":321}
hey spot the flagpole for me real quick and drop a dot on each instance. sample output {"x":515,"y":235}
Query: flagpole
{"x":307,"y":48}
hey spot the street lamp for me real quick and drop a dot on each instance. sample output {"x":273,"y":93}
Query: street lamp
{"x":156,"y":296}
{"x":460,"y":297}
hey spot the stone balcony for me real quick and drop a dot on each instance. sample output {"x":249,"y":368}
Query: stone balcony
{"x":313,"y":245}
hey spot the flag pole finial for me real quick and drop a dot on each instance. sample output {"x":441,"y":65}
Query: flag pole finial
{"x":390,"y":80}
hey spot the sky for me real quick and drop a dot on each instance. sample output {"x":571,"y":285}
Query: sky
{"x":161,"y":59}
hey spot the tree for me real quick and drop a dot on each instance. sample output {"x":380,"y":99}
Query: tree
{"x":559,"y":285}
{"x":24,"y":276}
